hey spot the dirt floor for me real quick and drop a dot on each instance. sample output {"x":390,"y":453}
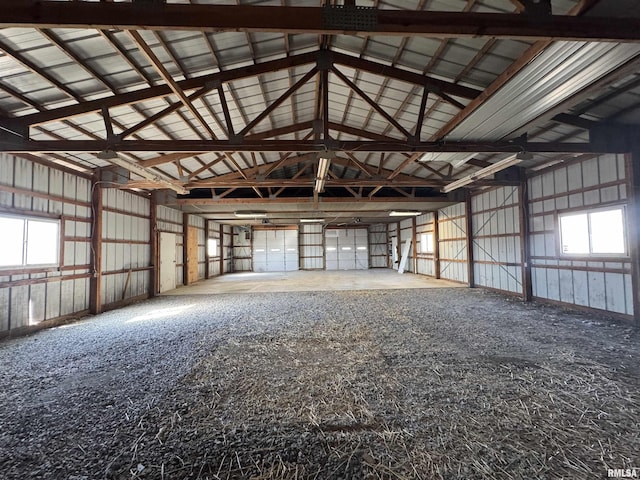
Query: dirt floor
{"x":402,"y":384}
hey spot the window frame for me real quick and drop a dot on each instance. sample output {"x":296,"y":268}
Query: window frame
{"x":215,"y":253}
{"x":588,"y":212}
{"x":24,"y":263}
{"x":431,"y":244}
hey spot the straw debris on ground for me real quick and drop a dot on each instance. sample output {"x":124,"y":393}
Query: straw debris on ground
{"x":419,"y":384}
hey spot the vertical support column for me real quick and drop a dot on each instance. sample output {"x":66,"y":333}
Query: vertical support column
{"x":415,"y":245}
{"x":95,"y":284}
{"x":525,"y":250}
{"x":185,"y":249}
{"x":632,"y":161}
{"x":469,"y":220}
{"x":386,"y":231}
{"x":436,"y":246}
{"x":221,"y":249}
{"x":207,"y":268}
{"x":154,"y":274}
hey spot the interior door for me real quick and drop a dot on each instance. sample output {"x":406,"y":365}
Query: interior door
{"x":167,"y":261}
{"x":192,"y":254}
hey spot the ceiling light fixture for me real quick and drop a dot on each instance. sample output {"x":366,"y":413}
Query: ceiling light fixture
{"x":404,"y":213}
{"x":248,"y":214}
{"x":311,"y":220}
{"x":324,"y":161}
{"x":161,"y":180}
{"x":485,"y":172}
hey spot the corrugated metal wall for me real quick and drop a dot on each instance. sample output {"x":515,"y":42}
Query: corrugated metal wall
{"x":170,"y":221}
{"x":452,"y":242}
{"x":29,"y":188}
{"x":378,"y":246}
{"x":406,"y":235}
{"x":227,"y":248}
{"x":242,"y":250}
{"x":497,"y":259}
{"x":602,"y":283}
{"x":311,"y":247}
{"x":214,"y":258}
{"x":425,"y":262}
{"x":394,"y":255}
{"x":126,"y":248}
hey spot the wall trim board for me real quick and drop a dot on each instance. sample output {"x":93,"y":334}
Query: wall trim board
{"x":50,"y":323}
{"x":124,"y":212}
{"x":54,"y":166}
{"x":126,"y":270}
{"x":46,"y":196}
{"x":125,"y":302}
{"x":591,"y":188}
{"x":34,"y":281}
{"x":622,"y":271}
{"x":607,"y":314}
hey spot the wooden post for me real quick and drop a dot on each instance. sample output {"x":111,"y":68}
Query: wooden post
{"x":95,"y":284}
{"x":436,"y":246}
{"x":185,"y":249}
{"x":415,"y":245}
{"x":154,"y":274}
{"x":525,"y":250}
{"x":469,"y":220}
{"x":206,"y":249}
{"x":632,"y":161}
{"x":221,"y":249}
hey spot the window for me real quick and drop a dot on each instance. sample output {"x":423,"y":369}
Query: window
{"x":598,"y":232}
{"x":426,"y":243}
{"x":212,"y":247}
{"x":28,"y":241}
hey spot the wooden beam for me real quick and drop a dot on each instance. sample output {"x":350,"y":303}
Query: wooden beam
{"x":66,"y":146}
{"x":167,"y":158}
{"x":309,"y":20}
{"x":166,"y":76}
{"x":371,"y":102}
{"x":205,"y":81}
{"x":434,"y":85}
{"x":279,"y":101}
{"x":532,"y":52}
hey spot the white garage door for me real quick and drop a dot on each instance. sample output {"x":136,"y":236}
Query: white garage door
{"x":346,"y":249}
{"x":275,"y":250}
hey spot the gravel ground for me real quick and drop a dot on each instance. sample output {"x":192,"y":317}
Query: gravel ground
{"x":450,"y":383}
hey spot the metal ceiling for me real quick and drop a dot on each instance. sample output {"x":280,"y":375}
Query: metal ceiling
{"x":380,"y":98}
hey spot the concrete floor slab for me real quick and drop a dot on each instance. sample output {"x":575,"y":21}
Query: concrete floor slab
{"x":312,"y":281}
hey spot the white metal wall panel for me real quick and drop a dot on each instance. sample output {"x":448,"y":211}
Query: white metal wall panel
{"x":406,"y":235}
{"x":227,"y":248}
{"x":497,"y":261}
{"x":378,"y":246}
{"x":50,"y":193}
{"x":311,"y":247}
{"x":214,"y":257}
{"x":602,"y":284}
{"x":126,"y":248}
{"x":240,"y":255}
{"x":425,"y":264}
{"x":452,"y":234}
